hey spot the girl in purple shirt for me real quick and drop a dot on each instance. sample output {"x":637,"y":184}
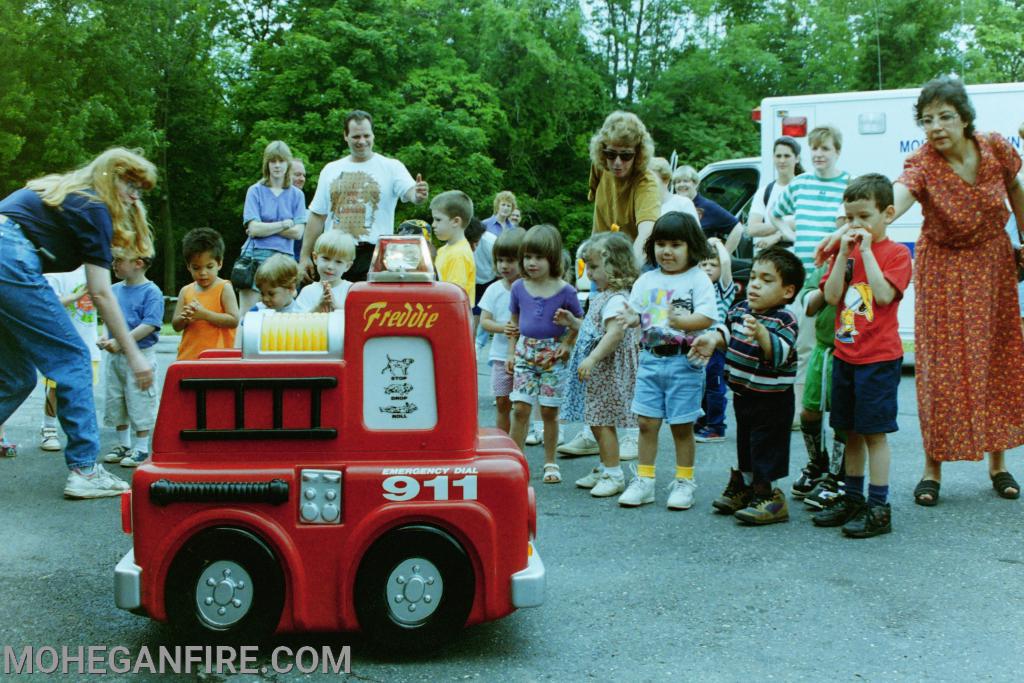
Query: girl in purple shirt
{"x":538,"y":359}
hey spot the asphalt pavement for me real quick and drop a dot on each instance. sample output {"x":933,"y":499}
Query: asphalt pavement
{"x":632,"y":594}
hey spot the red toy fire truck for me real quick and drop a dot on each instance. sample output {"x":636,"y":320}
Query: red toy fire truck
{"x":331,"y":476}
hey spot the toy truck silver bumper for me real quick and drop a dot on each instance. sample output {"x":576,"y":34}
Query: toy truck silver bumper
{"x":528,"y":584}
{"x":128,"y":583}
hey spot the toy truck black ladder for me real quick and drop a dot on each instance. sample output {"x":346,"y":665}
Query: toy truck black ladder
{"x":277,"y":386}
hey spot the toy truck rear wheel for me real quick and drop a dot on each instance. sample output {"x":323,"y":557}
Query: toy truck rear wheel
{"x":414,"y":589}
{"x":226,"y":585}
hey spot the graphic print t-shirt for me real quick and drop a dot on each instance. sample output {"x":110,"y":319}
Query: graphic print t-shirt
{"x":360,"y":198}
{"x":656,"y":293}
{"x":867,"y":332}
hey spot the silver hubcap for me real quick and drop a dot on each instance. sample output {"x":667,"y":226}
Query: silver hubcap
{"x":414,"y":590}
{"x":223,"y":594}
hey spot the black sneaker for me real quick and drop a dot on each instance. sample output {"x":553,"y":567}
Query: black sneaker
{"x":873,"y":520}
{"x":825,"y":493}
{"x":845,"y":509}
{"x":809,"y":478}
{"x":735,"y":497}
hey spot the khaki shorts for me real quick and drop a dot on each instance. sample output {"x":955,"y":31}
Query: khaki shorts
{"x":125,"y":404}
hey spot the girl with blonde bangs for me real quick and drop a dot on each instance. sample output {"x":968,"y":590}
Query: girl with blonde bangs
{"x":277,"y":151}
{"x":53,"y":225}
{"x":131,"y":228}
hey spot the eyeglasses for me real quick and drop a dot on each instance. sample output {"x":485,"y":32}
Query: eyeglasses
{"x":944,"y":119}
{"x":611,"y":154}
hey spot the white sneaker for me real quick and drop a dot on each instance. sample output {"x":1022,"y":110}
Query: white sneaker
{"x":99,"y":484}
{"x":680,"y":494}
{"x":583,"y":443}
{"x":628,"y":444}
{"x":640,"y":492}
{"x":590,"y":481}
{"x":48,"y":439}
{"x":135,"y":458}
{"x":535,"y":435}
{"x":609,"y":485}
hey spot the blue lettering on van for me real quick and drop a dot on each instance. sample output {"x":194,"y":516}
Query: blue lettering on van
{"x":908,"y":146}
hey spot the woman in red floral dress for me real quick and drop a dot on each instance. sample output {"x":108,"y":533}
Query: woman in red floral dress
{"x":969,"y":346}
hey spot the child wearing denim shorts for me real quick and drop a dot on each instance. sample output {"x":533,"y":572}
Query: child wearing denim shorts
{"x":672,"y":304}
{"x":538,"y":357}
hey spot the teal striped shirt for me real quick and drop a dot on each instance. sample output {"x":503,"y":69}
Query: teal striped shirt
{"x":814,"y":202}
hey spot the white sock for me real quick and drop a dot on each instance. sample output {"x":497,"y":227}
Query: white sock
{"x":49,"y":421}
{"x":141,"y":444}
{"x":124,"y":437}
{"x":615,"y":472}
{"x":748,"y":478}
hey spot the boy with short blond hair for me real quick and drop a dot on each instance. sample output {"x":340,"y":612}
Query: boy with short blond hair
{"x":868,"y":352}
{"x":452,"y":212}
{"x":277,"y":279}
{"x":333,"y":255}
{"x":142,"y":304}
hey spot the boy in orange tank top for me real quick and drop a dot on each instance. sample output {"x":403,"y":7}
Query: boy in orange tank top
{"x":206,"y":313}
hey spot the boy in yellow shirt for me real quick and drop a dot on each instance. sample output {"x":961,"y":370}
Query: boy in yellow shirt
{"x":452,"y":212}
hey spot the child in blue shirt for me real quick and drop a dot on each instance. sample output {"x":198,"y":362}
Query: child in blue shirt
{"x":142,"y":304}
{"x":711,"y":427}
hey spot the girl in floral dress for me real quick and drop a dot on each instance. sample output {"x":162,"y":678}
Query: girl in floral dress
{"x":602,"y":367}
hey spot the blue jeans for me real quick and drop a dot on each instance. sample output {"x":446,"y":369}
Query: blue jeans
{"x":715,"y":398}
{"x":36,"y":332}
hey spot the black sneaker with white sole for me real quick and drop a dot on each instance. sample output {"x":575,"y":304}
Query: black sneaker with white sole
{"x":825,"y":493}
{"x":809,"y":478}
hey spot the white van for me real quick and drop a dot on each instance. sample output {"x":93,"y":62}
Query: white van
{"x":879,"y":132}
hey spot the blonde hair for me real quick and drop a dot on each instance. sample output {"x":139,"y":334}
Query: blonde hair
{"x":820,"y":133}
{"x":504,"y":196}
{"x":131,"y":229}
{"x":660,"y":167}
{"x":277,"y":151}
{"x":625,"y":129}
{"x":336,"y":244}
{"x":616,"y":250}
{"x":280,"y":270}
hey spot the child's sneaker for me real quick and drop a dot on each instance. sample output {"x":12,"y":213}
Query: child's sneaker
{"x":680,"y":494}
{"x":639,"y":492}
{"x":609,"y":485}
{"x":117,"y":454}
{"x":841,"y":512}
{"x":736,"y":495}
{"x":8,"y":449}
{"x":873,"y":520}
{"x":765,"y":510}
{"x":135,"y":459}
{"x":583,"y":443}
{"x":98,"y":484}
{"x":629,"y":449}
{"x":48,"y":439}
{"x":590,"y":481}
{"x":825,"y":493}
{"x":708,"y":435}
{"x":809,"y":478}
{"x":535,"y":435}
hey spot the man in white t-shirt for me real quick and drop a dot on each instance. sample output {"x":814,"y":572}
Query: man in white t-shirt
{"x":358,"y":193}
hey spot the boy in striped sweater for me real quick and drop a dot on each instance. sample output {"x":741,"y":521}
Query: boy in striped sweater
{"x":759,"y":338}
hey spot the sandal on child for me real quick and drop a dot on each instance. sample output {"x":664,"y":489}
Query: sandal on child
{"x":1002,"y":482}
{"x":552,"y":474}
{"x":927,"y":487}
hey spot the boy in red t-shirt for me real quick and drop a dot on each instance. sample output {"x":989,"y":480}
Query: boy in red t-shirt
{"x":865,"y":284}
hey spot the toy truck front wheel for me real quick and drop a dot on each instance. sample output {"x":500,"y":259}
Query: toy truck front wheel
{"x":225,"y":584}
{"x":414,"y":589}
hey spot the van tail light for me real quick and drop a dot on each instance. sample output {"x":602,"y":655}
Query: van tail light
{"x":126,"y":512}
{"x":755,"y":114}
{"x":794,"y":126}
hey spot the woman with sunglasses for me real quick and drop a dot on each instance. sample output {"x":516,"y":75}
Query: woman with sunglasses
{"x":54,"y":224}
{"x":625,"y":193}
